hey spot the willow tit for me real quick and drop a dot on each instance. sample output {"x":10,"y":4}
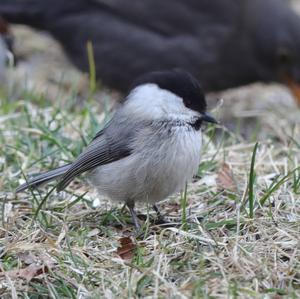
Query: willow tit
{"x":151,"y":146}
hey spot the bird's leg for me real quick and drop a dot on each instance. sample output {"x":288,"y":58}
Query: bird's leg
{"x":134,"y":217}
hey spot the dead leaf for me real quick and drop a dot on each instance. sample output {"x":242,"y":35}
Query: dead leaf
{"x":225,"y":178}
{"x":172,"y":207}
{"x":27,"y":273}
{"x":295,"y":88}
{"x":126,"y":248}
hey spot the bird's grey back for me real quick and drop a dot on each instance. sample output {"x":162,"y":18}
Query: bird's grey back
{"x":112,"y":143}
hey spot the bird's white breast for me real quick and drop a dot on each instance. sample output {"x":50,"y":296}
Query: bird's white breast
{"x":154,"y":171}
{"x":165,"y":148}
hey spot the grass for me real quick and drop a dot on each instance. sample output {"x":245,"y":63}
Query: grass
{"x":251,"y":182}
{"x":229,"y":244}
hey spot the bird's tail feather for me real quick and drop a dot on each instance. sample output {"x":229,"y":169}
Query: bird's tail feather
{"x":44,"y":177}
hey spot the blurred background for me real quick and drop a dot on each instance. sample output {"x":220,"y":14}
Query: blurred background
{"x":243,"y":52}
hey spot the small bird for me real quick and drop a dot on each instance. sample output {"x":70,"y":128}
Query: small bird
{"x":149,"y":149}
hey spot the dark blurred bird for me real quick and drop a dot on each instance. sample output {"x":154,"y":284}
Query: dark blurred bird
{"x":6,"y":52}
{"x":6,"y":35}
{"x":224,"y":43}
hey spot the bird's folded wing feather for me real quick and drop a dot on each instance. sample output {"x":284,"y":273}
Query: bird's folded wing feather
{"x":105,"y":148}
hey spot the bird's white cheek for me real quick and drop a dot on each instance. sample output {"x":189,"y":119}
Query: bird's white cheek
{"x":148,"y":101}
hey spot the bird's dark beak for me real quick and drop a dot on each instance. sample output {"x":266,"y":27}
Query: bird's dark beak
{"x":208,"y":118}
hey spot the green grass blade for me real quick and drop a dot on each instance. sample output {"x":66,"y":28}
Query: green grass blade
{"x":252,"y":176}
{"x":43,"y":202}
{"x":92,"y":67}
{"x":277,"y":185}
{"x":183,"y":203}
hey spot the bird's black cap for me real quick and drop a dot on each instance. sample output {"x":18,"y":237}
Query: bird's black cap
{"x":180,"y":83}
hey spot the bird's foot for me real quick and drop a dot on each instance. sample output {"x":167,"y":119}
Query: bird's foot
{"x":134,"y":217}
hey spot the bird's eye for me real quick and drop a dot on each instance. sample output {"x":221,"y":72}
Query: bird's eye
{"x":284,"y":56}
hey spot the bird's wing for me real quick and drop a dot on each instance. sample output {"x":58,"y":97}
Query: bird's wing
{"x":105,"y":148}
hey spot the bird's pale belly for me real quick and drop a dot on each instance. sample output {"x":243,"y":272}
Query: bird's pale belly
{"x":152,"y":177}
